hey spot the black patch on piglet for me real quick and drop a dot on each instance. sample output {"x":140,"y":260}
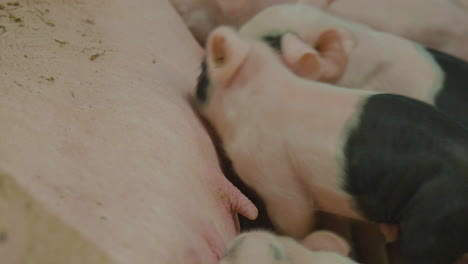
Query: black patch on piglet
{"x":452,"y":99}
{"x":273,"y":40}
{"x":203,"y":83}
{"x":435,"y":229}
{"x":406,"y":163}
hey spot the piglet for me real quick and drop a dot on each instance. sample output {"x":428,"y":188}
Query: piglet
{"x":321,"y":47}
{"x":262,"y":247}
{"x":326,"y":48}
{"x":305,"y":145}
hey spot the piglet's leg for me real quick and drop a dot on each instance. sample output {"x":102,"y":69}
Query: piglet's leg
{"x":291,"y":216}
{"x":301,"y":58}
{"x":325,"y":60}
{"x":334,"y":47}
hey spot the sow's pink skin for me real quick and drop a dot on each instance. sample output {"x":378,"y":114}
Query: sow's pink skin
{"x":261,"y":247}
{"x":302,"y":145}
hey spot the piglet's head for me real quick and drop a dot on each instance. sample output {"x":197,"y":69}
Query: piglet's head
{"x":234,"y":70}
{"x":224,"y":62}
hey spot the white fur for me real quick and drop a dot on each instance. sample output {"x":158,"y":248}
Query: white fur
{"x":379,"y":61}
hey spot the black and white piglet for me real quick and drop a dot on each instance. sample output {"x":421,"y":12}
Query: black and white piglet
{"x":305,"y":145}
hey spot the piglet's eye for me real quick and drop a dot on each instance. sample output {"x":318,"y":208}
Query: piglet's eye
{"x":219,"y":60}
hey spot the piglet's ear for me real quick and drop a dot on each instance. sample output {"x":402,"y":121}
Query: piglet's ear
{"x":225,"y":53}
{"x":326,"y":241}
{"x":300,"y":57}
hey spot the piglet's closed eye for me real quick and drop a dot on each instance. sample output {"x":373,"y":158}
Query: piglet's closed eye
{"x":226,"y":52}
